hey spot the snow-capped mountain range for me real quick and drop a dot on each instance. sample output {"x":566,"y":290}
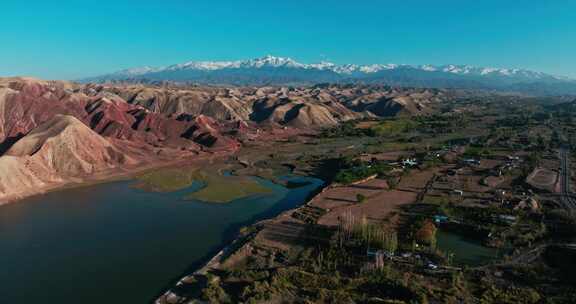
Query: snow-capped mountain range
{"x":271,"y":70}
{"x":347,"y":69}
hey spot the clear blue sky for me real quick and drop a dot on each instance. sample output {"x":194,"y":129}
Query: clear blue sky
{"x":68,"y":39}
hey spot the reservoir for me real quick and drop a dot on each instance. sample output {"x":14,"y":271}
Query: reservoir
{"x":113,"y":243}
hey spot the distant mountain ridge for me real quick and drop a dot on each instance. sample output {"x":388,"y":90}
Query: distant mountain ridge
{"x":271,"y":70}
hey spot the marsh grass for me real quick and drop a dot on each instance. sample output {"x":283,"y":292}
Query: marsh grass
{"x":223,"y":189}
{"x":217,"y":187}
{"x":167,"y":180}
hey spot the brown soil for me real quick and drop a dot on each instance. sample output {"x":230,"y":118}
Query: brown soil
{"x":386,"y":156}
{"x":416,"y":180}
{"x":542,"y":178}
{"x":376,"y":208}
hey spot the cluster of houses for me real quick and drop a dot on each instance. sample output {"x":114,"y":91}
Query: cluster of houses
{"x":511,"y":163}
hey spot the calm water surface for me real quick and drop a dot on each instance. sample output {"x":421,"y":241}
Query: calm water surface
{"x":465,"y":251}
{"x":111,"y":243}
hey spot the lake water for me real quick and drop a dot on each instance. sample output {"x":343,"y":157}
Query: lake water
{"x":111,"y":243}
{"x":466,"y":251}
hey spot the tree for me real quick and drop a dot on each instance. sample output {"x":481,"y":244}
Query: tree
{"x":390,"y":241}
{"x":360,"y":198}
{"x":426,"y":234}
{"x":541,"y":142}
{"x":214,"y":293}
{"x":392,"y":183}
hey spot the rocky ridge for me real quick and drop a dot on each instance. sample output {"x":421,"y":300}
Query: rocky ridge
{"x":54,"y":133}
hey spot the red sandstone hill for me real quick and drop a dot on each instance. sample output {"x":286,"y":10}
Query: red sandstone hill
{"x":68,"y":147}
{"x":53,"y":132}
{"x":25,"y":103}
{"x":310,"y":107}
{"x":59,"y":150}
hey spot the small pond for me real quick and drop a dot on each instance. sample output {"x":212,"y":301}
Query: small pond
{"x":465,"y":251}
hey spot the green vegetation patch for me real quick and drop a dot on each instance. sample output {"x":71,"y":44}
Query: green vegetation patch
{"x":394,"y":126}
{"x":353,"y":170}
{"x":477,"y":152}
{"x":371,"y":128}
{"x":167,"y":180}
{"x":217,"y":188}
{"x":223,"y":189}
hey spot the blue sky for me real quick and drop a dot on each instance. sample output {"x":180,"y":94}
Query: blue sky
{"x":69,"y":39}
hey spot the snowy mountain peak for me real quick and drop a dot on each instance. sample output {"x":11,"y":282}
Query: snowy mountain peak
{"x":336,"y":70}
{"x":203,"y":65}
{"x":137,"y":71}
{"x":272,"y":61}
{"x":323,"y":65}
{"x":428,"y":68}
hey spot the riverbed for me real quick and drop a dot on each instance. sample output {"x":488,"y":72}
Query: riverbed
{"x":113,"y":243}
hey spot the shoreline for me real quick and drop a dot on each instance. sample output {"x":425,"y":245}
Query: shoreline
{"x":112,"y":175}
{"x":215,"y":260}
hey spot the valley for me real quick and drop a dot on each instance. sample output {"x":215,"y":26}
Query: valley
{"x":57,"y":133}
{"x":328,"y":193}
{"x":287,"y":152}
{"x":443,"y":208}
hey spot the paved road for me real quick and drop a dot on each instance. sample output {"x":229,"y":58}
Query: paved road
{"x":567,"y":199}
